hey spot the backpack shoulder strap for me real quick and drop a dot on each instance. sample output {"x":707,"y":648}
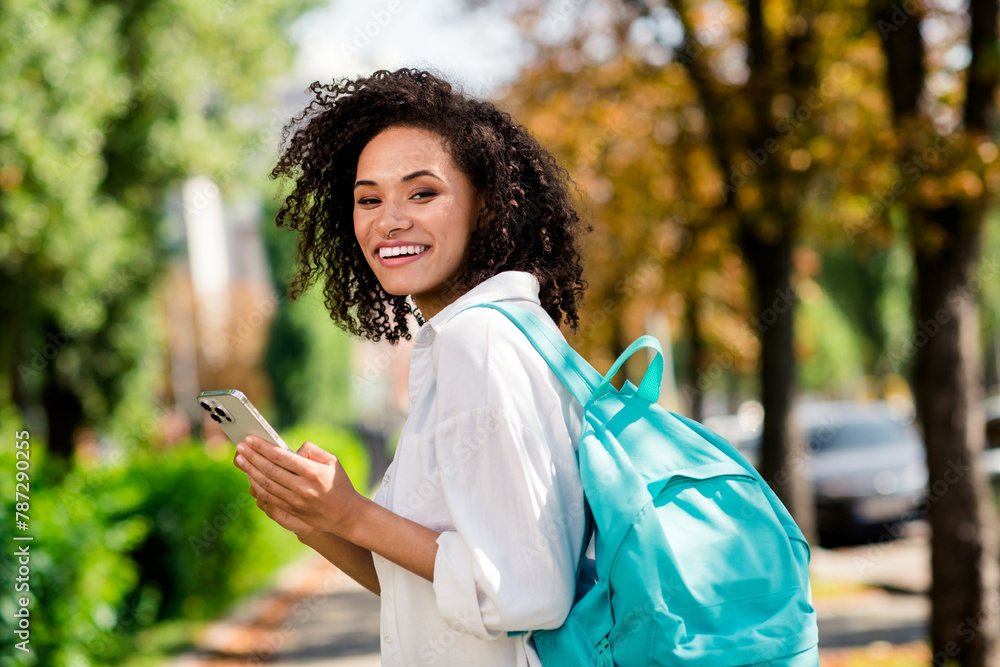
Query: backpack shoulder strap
{"x":573,"y":370}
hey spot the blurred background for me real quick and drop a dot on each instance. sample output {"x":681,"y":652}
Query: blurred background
{"x":796,"y":198}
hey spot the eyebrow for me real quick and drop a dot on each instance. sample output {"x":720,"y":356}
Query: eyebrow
{"x":408,"y":177}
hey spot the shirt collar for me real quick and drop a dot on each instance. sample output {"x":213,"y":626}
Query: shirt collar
{"x":501,"y":287}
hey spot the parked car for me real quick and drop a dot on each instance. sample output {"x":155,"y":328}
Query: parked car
{"x":866,"y":462}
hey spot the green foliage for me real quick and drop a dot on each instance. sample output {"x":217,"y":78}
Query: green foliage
{"x":308,"y":358}
{"x":351,"y":453}
{"x":123,"y":546}
{"x":106,"y":109}
{"x":828,"y":343}
{"x":990,"y":280}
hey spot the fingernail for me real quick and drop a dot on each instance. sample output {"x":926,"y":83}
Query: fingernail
{"x":240,"y":448}
{"x":241,"y":461}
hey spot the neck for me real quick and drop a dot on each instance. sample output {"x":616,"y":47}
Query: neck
{"x":430,"y":304}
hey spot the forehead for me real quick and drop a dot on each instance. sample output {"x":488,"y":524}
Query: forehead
{"x":404,"y":150}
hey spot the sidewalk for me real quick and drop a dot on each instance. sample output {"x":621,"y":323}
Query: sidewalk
{"x":314,"y":616}
{"x":888,"y":602}
{"x":318,"y":617}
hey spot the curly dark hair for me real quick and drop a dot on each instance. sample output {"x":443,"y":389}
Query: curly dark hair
{"x":527,"y":222}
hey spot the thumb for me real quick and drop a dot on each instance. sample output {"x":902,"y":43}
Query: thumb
{"x":314,"y":452}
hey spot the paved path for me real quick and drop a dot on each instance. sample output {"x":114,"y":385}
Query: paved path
{"x":344,"y":624}
{"x":315,"y":616}
{"x":318,"y":617}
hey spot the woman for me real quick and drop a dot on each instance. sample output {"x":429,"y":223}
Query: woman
{"x":413,"y":199}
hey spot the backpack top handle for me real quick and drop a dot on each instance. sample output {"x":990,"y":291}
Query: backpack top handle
{"x":585,"y":383}
{"x":649,"y":388}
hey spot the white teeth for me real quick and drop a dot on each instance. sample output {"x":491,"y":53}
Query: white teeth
{"x":401,"y":250}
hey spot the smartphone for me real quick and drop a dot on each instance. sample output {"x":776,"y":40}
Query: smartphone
{"x":237,"y":416}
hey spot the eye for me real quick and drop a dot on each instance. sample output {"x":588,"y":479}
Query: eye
{"x":368,"y":201}
{"x":424,"y":194}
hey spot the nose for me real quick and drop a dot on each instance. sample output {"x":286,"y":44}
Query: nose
{"x":392,"y":217}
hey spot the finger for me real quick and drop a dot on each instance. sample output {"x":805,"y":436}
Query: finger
{"x":267,"y":498}
{"x":264,"y":479}
{"x":276,"y":455}
{"x":314,"y":452}
{"x":255,"y":461}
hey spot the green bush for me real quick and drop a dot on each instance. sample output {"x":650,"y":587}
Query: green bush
{"x":120,"y":548}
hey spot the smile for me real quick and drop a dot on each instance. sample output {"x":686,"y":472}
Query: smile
{"x":396,"y":251}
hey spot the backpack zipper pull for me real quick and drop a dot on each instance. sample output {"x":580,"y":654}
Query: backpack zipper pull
{"x":604,"y":658}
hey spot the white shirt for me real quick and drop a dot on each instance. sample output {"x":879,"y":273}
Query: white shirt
{"x":486,"y":458}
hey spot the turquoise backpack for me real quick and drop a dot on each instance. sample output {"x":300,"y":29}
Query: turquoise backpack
{"x":697,"y":561}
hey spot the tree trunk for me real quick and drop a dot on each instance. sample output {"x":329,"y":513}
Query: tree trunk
{"x":948,"y":390}
{"x":783,"y":463}
{"x":63,"y":414}
{"x":947,"y":373}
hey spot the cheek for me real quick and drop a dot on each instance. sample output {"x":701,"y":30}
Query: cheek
{"x":360,"y":230}
{"x":358,"y":225}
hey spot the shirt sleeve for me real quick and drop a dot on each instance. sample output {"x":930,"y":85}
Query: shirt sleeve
{"x":510,"y":481}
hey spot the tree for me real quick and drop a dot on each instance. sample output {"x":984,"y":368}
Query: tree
{"x":762,"y":111}
{"x":107,"y":108}
{"x":764,"y":84}
{"x":943,"y":139}
{"x":630,"y":136}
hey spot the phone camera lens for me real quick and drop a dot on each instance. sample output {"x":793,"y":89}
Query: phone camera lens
{"x":220,"y":412}
{"x":216,"y":418}
{"x":206,"y":406}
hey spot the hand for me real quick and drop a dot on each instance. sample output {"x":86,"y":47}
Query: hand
{"x":280,"y":516}
{"x":310,"y":488}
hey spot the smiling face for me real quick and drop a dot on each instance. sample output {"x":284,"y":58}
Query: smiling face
{"x":408,"y":184}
